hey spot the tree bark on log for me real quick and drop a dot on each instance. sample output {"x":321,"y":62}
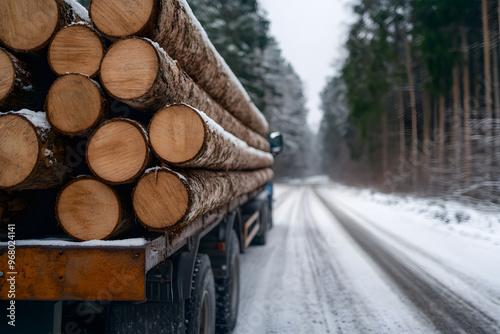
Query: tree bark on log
{"x":77,"y":48}
{"x":118,"y":151}
{"x":31,"y":155}
{"x":166,"y":200}
{"x":172,"y":24}
{"x":139,"y":73}
{"x":88,"y":209}
{"x":184,"y":137}
{"x":28,"y":26}
{"x":75,"y":104}
{"x":15,"y":82}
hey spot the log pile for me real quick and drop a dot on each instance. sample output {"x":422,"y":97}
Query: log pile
{"x":192,"y":142}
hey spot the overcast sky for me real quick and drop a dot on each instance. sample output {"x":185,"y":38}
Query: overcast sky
{"x":311,"y":34}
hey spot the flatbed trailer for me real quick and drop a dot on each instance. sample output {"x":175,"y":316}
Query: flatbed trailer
{"x":128,"y":286}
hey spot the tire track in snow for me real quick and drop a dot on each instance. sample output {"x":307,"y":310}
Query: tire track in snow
{"x":449,"y":312}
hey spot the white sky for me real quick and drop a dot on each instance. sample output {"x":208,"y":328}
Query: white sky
{"x":311,"y":34}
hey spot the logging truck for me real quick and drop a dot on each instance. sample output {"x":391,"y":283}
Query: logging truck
{"x":129,"y":223}
{"x":182,"y":282}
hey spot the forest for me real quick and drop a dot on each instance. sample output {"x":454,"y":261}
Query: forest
{"x":416,"y":106}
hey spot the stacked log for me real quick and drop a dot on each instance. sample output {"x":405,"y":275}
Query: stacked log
{"x":211,"y":134}
{"x":172,"y":24}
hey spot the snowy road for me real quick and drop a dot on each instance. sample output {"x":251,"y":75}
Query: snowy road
{"x":335,"y":264}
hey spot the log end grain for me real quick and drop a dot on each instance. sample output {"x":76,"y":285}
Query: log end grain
{"x":7,"y":74}
{"x":74,"y":104}
{"x":122,"y":18}
{"x":19,"y":149}
{"x":76,"y":49}
{"x":88,"y":209}
{"x":160,"y":199}
{"x":118,"y":151}
{"x":26,"y":25}
{"x":129,"y":68}
{"x":177,"y":134}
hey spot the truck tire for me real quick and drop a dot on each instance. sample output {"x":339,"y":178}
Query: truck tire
{"x":260,"y":238}
{"x":200,"y":308}
{"x":228,"y":289}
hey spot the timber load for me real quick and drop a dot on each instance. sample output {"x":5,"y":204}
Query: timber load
{"x":187,"y":141}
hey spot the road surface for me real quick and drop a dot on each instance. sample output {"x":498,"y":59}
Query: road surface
{"x":331,"y":268}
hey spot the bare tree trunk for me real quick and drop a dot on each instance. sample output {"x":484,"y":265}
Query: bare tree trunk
{"x":385,"y":142}
{"x":402,"y":139}
{"x":487,"y":84}
{"x":456,"y":121}
{"x":467,"y":108}
{"x":441,"y":136}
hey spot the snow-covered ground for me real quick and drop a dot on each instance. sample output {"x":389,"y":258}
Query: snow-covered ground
{"x":342,"y":260}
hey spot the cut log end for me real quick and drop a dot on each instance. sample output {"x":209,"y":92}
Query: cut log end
{"x":118,"y":151}
{"x":177,"y":134}
{"x":76,"y":49}
{"x":88,"y":209}
{"x":160,"y":199}
{"x":122,"y":18}
{"x":74,"y":104}
{"x":19,"y":149}
{"x":26,"y":25}
{"x":7,"y":74}
{"x":129,"y":68}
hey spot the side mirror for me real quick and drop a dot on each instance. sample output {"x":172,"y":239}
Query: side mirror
{"x":276,"y":143}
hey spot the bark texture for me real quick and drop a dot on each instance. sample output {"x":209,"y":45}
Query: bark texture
{"x":166,"y":200}
{"x":88,"y":209}
{"x":185,"y":137}
{"x":32,"y":156}
{"x":16,"y":83}
{"x":178,"y":31}
{"x":171,"y":85}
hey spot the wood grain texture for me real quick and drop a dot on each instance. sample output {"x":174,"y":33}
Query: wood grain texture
{"x":177,"y":31}
{"x":118,"y":151}
{"x":27,"y":25}
{"x":75,"y":104}
{"x":77,"y":48}
{"x":167,"y":200}
{"x":30,"y":157}
{"x":181,"y":137}
{"x":88,"y":209}
{"x":16,"y":84}
{"x":130,"y":73}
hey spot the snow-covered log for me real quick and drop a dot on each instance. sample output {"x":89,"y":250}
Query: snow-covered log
{"x":31,"y":155}
{"x":138,"y":72}
{"x":118,"y":151}
{"x":164,"y":198}
{"x":75,"y":104}
{"x":185,"y":137}
{"x":77,"y":48}
{"x":15,"y":81}
{"x":27,"y":25}
{"x":172,"y":24}
{"x":88,"y":209}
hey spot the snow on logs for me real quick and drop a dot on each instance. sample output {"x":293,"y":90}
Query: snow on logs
{"x":88,"y":209}
{"x":185,"y":137}
{"x":27,"y":25}
{"x":75,"y":104}
{"x":77,"y":48}
{"x":164,"y":198}
{"x":172,"y":24}
{"x":118,"y":151}
{"x":31,"y":156}
{"x":15,"y":82}
{"x":138,"y":72}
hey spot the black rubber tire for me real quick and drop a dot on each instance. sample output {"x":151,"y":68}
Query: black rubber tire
{"x":200,"y":308}
{"x":260,"y":238}
{"x":228,"y":289}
